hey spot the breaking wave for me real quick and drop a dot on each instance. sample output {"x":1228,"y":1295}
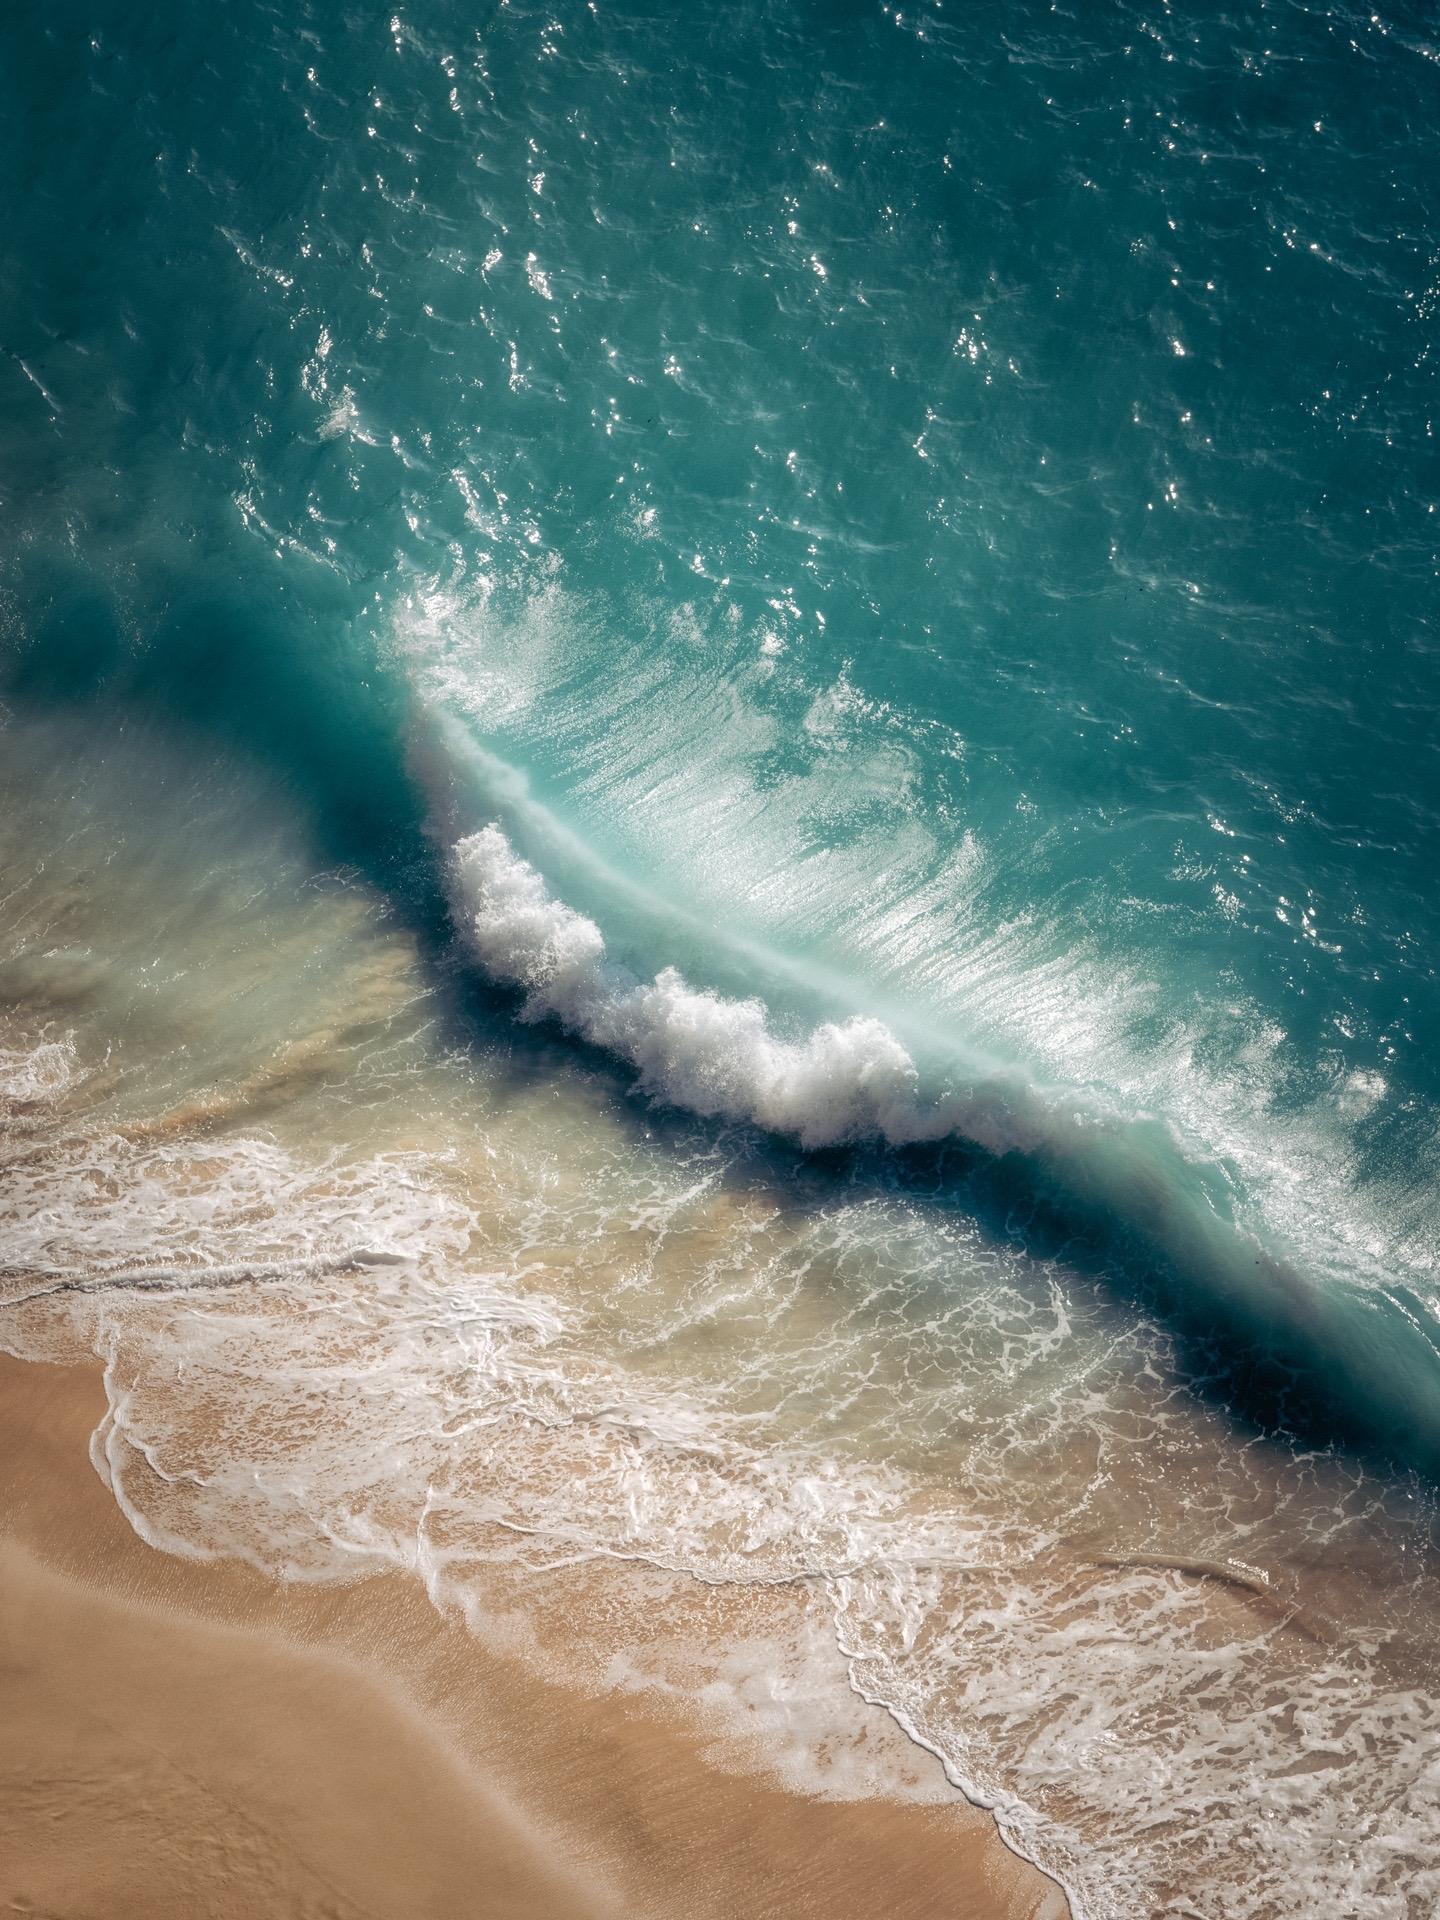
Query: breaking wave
{"x":1336,"y":1357}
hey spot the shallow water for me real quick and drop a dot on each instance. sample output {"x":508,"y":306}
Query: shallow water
{"x":718,"y":795}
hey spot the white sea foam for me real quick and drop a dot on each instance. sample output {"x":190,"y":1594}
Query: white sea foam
{"x":719,"y":1057}
{"x":36,"y":1075}
{"x":402,"y":1392}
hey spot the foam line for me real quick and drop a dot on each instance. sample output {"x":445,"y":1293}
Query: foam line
{"x":193,"y":1278}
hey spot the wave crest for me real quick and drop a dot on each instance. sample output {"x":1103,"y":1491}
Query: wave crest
{"x":846,"y":1081}
{"x":1338,"y":1359}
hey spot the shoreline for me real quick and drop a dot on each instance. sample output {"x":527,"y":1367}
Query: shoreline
{"x":197,"y":1737}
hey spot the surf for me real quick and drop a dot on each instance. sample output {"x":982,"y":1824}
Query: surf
{"x":1353,"y":1362}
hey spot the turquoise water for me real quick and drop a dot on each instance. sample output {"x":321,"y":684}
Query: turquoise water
{"x":900,"y":547}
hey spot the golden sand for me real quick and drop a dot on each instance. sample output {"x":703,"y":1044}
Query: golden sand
{"x":195,"y":1740}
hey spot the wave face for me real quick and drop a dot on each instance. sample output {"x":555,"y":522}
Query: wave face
{"x":877,"y":571}
{"x":1363,"y":1355}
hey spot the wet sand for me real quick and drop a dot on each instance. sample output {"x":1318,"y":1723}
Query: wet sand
{"x":186,"y":1739}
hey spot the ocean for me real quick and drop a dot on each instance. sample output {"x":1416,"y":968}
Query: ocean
{"x":719,"y":808}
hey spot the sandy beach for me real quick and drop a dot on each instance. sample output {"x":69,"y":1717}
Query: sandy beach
{"x":189,"y":1739}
